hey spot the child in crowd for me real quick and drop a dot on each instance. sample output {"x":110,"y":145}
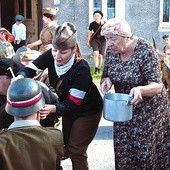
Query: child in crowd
{"x":19,"y":31}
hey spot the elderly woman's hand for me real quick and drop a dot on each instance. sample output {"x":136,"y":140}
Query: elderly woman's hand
{"x":137,"y":95}
{"x":151,"y":89}
{"x":106,"y":85}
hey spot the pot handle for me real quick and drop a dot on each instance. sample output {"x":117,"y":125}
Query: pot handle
{"x":128,"y":101}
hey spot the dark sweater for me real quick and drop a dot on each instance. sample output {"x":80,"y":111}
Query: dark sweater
{"x":78,"y":77}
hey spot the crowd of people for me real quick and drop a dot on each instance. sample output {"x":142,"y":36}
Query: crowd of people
{"x":55,"y":82}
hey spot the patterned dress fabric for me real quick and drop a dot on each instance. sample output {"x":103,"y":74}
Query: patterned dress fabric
{"x":142,"y":143}
{"x":6,"y":50}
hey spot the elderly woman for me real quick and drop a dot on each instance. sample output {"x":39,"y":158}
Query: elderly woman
{"x":6,"y":48}
{"x":79,"y":101}
{"x":132,"y":66}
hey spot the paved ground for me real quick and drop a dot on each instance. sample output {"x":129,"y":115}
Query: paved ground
{"x":89,"y":59}
{"x":100,"y":151}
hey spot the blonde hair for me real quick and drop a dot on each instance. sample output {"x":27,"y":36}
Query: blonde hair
{"x":79,"y":53}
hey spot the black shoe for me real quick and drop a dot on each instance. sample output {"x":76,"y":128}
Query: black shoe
{"x":96,"y":70}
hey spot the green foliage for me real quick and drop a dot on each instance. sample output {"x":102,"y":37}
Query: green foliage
{"x":96,"y":77}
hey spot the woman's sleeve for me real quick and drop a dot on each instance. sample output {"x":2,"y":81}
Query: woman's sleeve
{"x":151,"y":66}
{"x":106,"y":63}
{"x":53,"y":30}
{"x":90,"y":27}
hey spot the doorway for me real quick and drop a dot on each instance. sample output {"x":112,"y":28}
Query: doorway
{"x":29,"y":9}
{"x":7,"y":13}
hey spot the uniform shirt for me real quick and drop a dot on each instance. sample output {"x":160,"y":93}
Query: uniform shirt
{"x":26,"y":145}
{"x":19,"y":31}
{"x":46,"y":36}
{"x":24,"y":123}
{"x":5,"y":119}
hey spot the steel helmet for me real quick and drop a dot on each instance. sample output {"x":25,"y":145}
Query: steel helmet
{"x":24,"y":98}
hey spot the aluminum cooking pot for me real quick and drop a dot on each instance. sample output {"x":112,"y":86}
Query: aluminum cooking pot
{"x":117,"y":107}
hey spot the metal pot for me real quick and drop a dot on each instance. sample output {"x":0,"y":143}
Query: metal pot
{"x":117,"y":107}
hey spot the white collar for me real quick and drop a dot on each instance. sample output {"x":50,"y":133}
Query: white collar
{"x":60,"y":70}
{"x":23,"y":123}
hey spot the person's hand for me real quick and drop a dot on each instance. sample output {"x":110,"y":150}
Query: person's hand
{"x":46,"y":110}
{"x":18,"y":41}
{"x":137,"y":95}
{"x":88,"y":44}
{"x":16,"y":78}
{"x":30,"y":45}
{"x":106,"y":85}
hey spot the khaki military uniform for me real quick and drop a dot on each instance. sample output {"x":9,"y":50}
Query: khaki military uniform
{"x":30,"y":148}
{"x":5,"y":119}
{"x":46,"y":37}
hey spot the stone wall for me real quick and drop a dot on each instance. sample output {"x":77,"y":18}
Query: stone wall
{"x":143,"y":17}
{"x":76,"y":12}
{"x":48,"y":3}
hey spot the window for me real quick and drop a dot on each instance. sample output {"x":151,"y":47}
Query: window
{"x":25,"y":8}
{"x":166,"y":6}
{"x":28,"y":8}
{"x":97,"y":5}
{"x":108,"y":8}
{"x":164,"y":15}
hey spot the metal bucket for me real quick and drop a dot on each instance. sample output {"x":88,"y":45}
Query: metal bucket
{"x":117,"y":107}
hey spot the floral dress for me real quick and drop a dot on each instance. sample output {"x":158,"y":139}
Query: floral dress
{"x":142,"y":143}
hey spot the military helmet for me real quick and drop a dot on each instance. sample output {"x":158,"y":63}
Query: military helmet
{"x":24,"y":98}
